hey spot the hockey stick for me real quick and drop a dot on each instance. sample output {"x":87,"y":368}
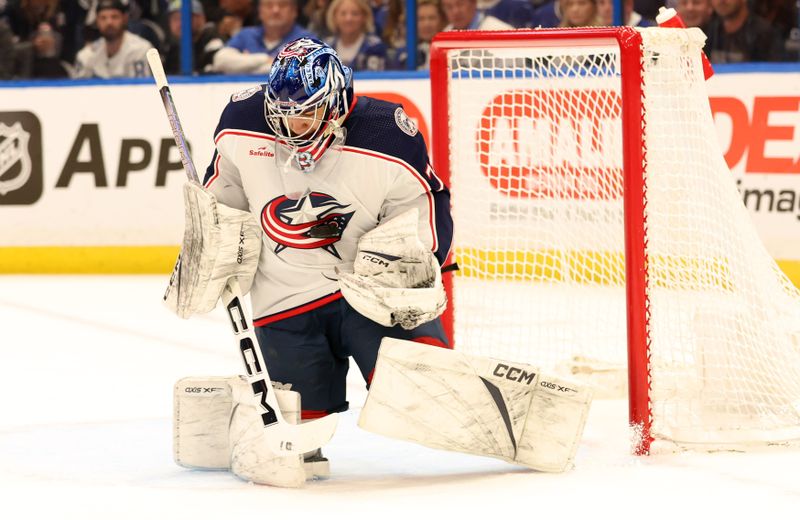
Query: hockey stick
{"x":280,"y":437}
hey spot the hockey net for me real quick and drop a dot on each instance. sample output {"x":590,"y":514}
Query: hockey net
{"x":597,"y":225}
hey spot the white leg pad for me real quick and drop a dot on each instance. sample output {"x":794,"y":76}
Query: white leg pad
{"x":216,"y":427}
{"x":447,"y":400}
{"x":201,"y":416}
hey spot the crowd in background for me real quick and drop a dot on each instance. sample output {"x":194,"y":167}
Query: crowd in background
{"x":108,"y":38}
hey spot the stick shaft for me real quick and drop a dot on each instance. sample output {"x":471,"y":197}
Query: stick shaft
{"x":154,"y":59}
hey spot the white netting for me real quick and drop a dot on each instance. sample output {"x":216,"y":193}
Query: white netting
{"x":536,"y":180}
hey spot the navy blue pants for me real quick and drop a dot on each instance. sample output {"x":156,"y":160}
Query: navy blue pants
{"x":310,"y":351}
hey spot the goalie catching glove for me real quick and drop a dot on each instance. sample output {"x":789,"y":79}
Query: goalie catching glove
{"x":219,"y":242}
{"x":396,"y":280}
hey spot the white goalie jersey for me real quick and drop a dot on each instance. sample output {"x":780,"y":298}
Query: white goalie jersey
{"x":311,"y":229}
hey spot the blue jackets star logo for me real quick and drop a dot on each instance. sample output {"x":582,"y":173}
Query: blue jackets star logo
{"x":315,"y":220}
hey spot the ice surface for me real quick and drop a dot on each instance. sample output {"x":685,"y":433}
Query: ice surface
{"x":87,"y":366}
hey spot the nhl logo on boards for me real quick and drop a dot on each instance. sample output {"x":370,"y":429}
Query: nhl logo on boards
{"x":13,"y":151}
{"x":20,"y":158}
{"x":404,"y":122}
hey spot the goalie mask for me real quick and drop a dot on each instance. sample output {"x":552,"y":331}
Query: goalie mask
{"x":307,"y":98}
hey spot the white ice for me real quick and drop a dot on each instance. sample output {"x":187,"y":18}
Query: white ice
{"x":86,"y":372}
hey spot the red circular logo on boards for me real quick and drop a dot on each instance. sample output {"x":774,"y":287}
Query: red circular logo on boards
{"x":552,"y":143}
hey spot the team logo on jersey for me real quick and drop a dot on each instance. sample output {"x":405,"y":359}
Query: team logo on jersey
{"x":404,"y":122}
{"x":316,"y":220}
{"x":20,"y":158}
{"x":244,"y":94}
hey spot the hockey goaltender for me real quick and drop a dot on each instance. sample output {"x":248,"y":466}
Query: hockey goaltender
{"x":324,"y":206}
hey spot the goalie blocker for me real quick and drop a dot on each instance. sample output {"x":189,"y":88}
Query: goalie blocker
{"x":447,"y":400}
{"x":219,"y":243}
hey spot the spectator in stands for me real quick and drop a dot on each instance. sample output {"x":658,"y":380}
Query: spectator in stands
{"x":81,"y":16}
{"x":232,"y":15}
{"x":6,"y":51}
{"x":579,"y":13}
{"x":252,"y":50}
{"x":354,"y":38}
{"x":605,"y":11}
{"x":36,"y":26}
{"x":75,"y":14}
{"x":782,"y":16}
{"x":380,"y":11}
{"x":393,"y":32}
{"x":244,"y":9}
{"x":204,"y":37}
{"x":25,"y":16}
{"x":46,"y":46}
{"x":464,"y":14}
{"x":629,"y":16}
{"x":547,"y":14}
{"x":118,"y":53}
{"x":694,"y":13}
{"x":315,"y":11}
{"x":736,"y":35}
{"x":648,"y":9}
{"x":430,"y":21}
{"x":633,"y":18}
{"x":140,"y":25}
{"x":229,"y":26}
{"x":516,"y":13}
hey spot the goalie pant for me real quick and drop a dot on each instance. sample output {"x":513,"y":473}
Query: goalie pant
{"x":308,"y":353}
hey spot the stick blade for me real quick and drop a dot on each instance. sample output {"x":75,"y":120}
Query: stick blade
{"x":154,"y":60}
{"x":292,"y":439}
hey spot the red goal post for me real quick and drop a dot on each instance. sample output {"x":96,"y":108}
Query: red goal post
{"x":523,"y":127}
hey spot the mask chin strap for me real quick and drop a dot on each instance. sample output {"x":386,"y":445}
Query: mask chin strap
{"x":306,"y":157}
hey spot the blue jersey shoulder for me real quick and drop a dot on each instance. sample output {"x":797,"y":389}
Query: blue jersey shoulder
{"x":385,"y":128}
{"x":245,"y":111}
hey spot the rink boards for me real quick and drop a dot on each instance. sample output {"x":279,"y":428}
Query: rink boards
{"x":90,"y":178}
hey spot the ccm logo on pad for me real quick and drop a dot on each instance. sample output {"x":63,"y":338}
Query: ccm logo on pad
{"x":514,"y":374}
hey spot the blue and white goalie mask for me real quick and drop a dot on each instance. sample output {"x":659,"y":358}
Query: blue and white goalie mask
{"x":307,"y":99}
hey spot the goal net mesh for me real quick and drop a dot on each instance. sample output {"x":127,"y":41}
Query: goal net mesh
{"x":536,"y":156}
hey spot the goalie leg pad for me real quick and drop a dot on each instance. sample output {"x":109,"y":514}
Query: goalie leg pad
{"x":216,"y":428}
{"x":201,"y":415}
{"x":447,"y":400}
